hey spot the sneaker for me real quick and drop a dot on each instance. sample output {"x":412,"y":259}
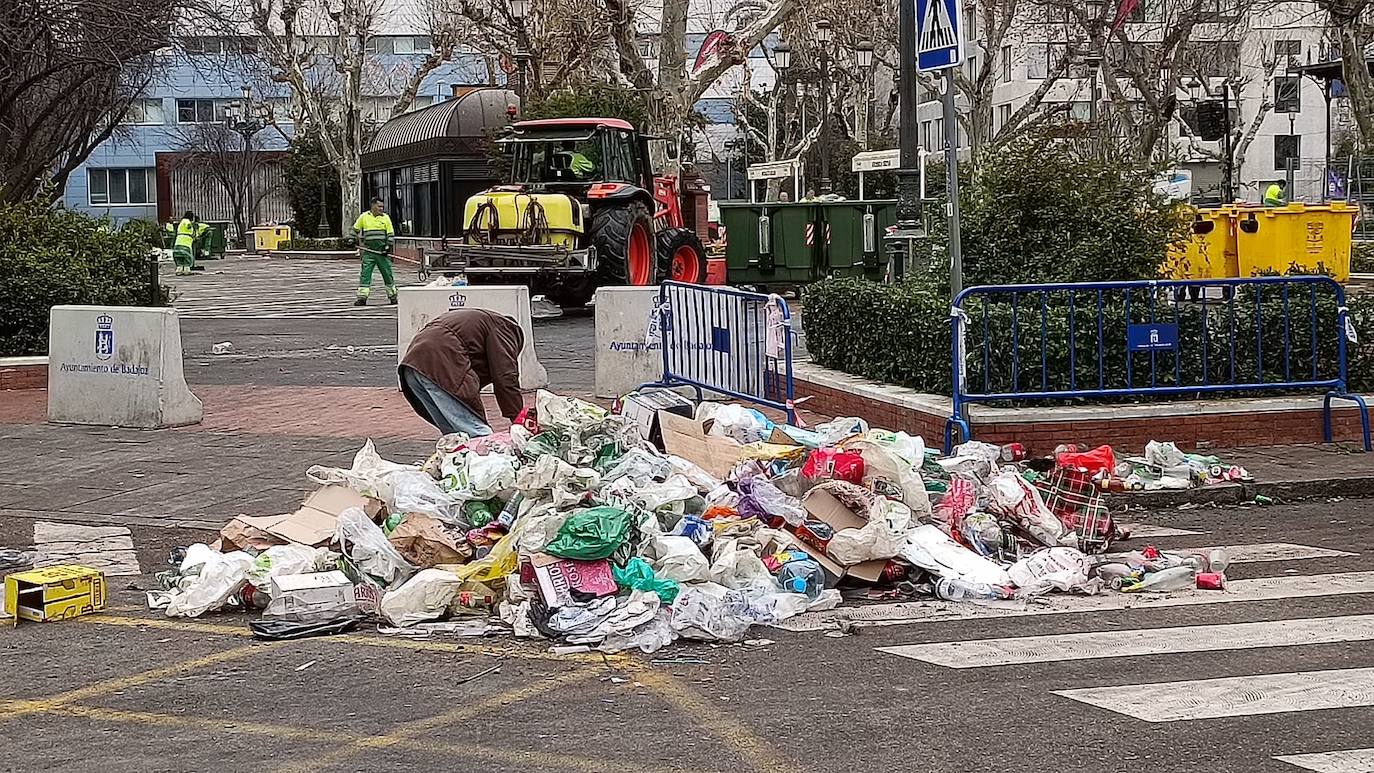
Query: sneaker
{"x":391,"y":299}
{"x":543,"y":308}
{"x":362,"y":301}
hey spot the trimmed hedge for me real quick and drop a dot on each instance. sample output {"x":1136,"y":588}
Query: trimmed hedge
{"x":1362,"y":258}
{"x":307,"y":244}
{"x":53,"y":256}
{"x":899,"y":334}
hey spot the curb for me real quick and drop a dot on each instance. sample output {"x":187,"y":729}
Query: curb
{"x":1237,"y":493}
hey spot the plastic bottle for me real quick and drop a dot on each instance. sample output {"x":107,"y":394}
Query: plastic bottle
{"x":955,"y":589}
{"x":802,"y":576}
{"x":508,"y":513}
{"x":1218,"y":560}
{"x":1164,"y":581}
{"x":1116,"y":574}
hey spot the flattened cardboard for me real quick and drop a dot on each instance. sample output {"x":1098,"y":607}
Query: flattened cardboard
{"x":823,"y":506}
{"x":687,"y":438}
{"x":315,"y":522}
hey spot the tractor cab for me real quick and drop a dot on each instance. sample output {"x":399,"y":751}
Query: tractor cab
{"x":572,"y":155}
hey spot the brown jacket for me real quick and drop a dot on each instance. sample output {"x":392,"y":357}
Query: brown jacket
{"x":463,"y":351}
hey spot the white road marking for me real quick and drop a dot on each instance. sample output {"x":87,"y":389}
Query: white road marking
{"x":1270,"y":551}
{"x":1347,"y":761}
{"x":107,"y":548}
{"x":1146,"y":531}
{"x":1234,"y":696}
{"x":920,"y":612}
{"x":1141,"y":641}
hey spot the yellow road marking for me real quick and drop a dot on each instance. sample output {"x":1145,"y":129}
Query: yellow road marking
{"x":21,"y":708}
{"x":408,"y":732}
{"x":709,"y":716}
{"x":286,"y":732}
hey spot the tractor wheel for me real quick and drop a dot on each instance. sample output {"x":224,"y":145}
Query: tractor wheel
{"x":624,"y":240}
{"x":681,"y":256}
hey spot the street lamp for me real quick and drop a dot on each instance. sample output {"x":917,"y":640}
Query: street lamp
{"x":519,"y":11}
{"x":863,"y":56}
{"x":1198,"y":89}
{"x":824,"y":34}
{"x":782,"y":57}
{"x":242,"y":119}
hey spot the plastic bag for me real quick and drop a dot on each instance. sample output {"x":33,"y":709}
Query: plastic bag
{"x":932,"y":550}
{"x":671,"y":494}
{"x":368,"y":475}
{"x":711,"y":612}
{"x":475,"y":476}
{"x":501,"y":561}
{"x":909,"y":448}
{"x":426,"y":596}
{"x":1058,"y":568}
{"x":885,"y":473}
{"x":281,"y":560}
{"x":883,"y":536}
{"x":678,"y":558}
{"x":416,"y":492}
{"x":591,"y":534}
{"x":637,"y":574}
{"x":565,"y":413}
{"x":638,"y":465}
{"x":763,"y":500}
{"x":1012,"y":497}
{"x":209,"y":579}
{"x":703,"y":480}
{"x":744,"y":425}
{"x":696,"y":529}
{"x":735,"y":566}
{"x":539,"y":530}
{"x":837,"y":429}
{"x":365,"y":547}
{"x":647,"y":638}
{"x":833,"y":464}
{"x":1094,"y":462}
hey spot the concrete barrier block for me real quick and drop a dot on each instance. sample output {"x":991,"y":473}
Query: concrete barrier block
{"x":416,"y":306}
{"x":623,"y":359}
{"x":118,"y":366}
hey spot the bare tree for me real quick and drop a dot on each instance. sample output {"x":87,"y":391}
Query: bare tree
{"x":69,"y":73}
{"x":564,"y":41}
{"x":1350,"y":22}
{"x":217,"y":156}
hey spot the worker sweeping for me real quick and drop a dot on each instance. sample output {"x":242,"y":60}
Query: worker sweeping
{"x":376,"y":238}
{"x":452,"y":358}
{"x":184,"y":247}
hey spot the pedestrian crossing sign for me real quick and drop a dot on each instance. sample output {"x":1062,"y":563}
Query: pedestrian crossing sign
{"x":939,"y":34}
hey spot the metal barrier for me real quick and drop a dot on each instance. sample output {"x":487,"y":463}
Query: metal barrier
{"x":729,"y":341}
{"x":1128,"y":339}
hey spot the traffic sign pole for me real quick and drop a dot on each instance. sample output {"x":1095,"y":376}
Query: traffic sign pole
{"x":956,"y":257}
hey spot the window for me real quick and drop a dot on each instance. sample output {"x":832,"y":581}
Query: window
{"x":145,"y":112}
{"x":1287,"y":54}
{"x":925,"y":135}
{"x":280,"y":109}
{"x":1287,"y":147}
{"x":1053,"y":53}
{"x":1003,"y":116}
{"x":1221,"y":9}
{"x":1006,"y":64}
{"x":1288,"y":94}
{"x":380,"y":45}
{"x":1035,"y":61}
{"x":201,"y":110}
{"x":121,"y":186}
{"x":204,"y":46}
{"x":417,"y":44}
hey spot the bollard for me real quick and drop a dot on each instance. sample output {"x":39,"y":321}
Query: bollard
{"x":154,"y":288}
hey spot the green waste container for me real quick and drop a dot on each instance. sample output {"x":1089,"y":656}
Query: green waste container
{"x":804,"y":241}
{"x":214,"y":242}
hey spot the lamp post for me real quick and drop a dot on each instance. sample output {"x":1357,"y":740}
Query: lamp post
{"x":782,"y":62}
{"x":242,"y":119}
{"x":1093,"y":60}
{"x":824,"y":34}
{"x":863,"y":56}
{"x":519,"y":11}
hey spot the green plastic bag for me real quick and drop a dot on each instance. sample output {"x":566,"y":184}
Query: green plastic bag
{"x":591,"y":534}
{"x":638,"y":575}
{"x":479,"y":513}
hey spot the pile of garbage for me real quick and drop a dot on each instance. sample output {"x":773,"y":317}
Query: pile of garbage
{"x":1163,"y":467}
{"x":661,"y":520}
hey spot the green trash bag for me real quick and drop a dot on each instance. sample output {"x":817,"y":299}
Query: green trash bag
{"x":638,"y":575}
{"x":479,"y":513}
{"x":591,"y":534}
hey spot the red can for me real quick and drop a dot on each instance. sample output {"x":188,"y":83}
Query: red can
{"x":1211,"y":581}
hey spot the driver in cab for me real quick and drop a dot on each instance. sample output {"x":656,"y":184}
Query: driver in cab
{"x":568,"y":159}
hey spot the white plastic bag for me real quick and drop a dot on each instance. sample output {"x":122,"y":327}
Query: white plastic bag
{"x":1057,"y":568}
{"x":220,"y":576}
{"x":909,"y":448}
{"x":468,"y":475}
{"x":281,"y":560}
{"x":887,"y":474}
{"x":932,"y":550}
{"x":368,"y":475}
{"x":1011,"y":496}
{"x":735,"y":566}
{"x":883,"y":536}
{"x":744,"y":425}
{"x":417,"y":492}
{"x":363,"y":544}
{"x":710,"y":612}
{"x":679,"y":558}
{"x":426,"y":596}
{"x":647,"y":638}
{"x":837,"y":429}
{"x":565,"y":413}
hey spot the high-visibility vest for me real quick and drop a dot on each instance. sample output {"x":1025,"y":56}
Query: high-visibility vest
{"x":1273,"y":196}
{"x":375,"y":231}
{"x":186,"y":234}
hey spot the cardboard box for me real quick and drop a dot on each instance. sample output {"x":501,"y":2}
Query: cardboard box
{"x":313,"y":524}
{"x":688,"y":439}
{"x":558,"y":578}
{"x":313,"y":596}
{"x":54,"y":593}
{"x":823,"y":506}
{"x":642,"y":407}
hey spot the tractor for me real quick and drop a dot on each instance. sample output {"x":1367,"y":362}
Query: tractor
{"x":581,"y":208}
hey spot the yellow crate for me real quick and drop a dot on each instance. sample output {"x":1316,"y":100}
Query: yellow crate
{"x":1295,"y":239}
{"x":268,"y":238}
{"x":54,"y":593}
{"x":1209,"y":252}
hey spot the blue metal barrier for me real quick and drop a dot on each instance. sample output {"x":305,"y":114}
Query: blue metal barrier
{"x":726,"y":340}
{"x":1151,"y":338}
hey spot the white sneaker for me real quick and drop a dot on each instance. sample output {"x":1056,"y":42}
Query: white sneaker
{"x":543,"y":308}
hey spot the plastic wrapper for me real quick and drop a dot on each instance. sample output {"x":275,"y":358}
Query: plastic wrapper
{"x":591,"y":534}
{"x":366,"y":548}
{"x":554,"y":478}
{"x":761,"y":499}
{"x":208,"y":580}
{"x":679,"y":559}
{"x":832,"y":432}
{"x":933,"y":550}
{"x":426,"y":596}
{"x":886,"y":473}
{"x":368,"y":475}
{"x":640,"y":466}
{"x":832,"y":464}
{"x":883,"y":536}
{"x":540,"y":529}
{"x":735,"y":566}
{"x":743,"y":425}
{"x":416,"y":492}
{"x":637,"y":574}
{"x":1012,"y":497}
{"x":1096,"y":462}
{"x":281,"y":560}
{"x":647,"y":638}
{"x":703,"y":480}
{"x":711,"y":612}
{"x":1058,"y":568}
{"x":565,"y":413}
{"x":695,"y":528}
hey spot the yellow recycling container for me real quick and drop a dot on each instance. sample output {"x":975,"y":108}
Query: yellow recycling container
{"x":1295,"y":239}
{"x":268,"y":238}
{"x":1209,"y":252}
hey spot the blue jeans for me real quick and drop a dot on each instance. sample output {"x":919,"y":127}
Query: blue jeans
{"x":446,"y":412}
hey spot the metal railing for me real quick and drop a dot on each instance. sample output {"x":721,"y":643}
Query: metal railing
{"x":1119,"y":340}
{"x":728,"y":341}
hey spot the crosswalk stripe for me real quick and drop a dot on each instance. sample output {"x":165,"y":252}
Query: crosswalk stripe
{"x":1144,"y":641}
{"x":1347,"y":761}
{"x":1146,"y":531}
{"x":1259,"y":589}
{"x":1235,"y":696}
{"x":1269,"y":551}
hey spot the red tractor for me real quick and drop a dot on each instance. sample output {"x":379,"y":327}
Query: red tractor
{"x":582,"y":208}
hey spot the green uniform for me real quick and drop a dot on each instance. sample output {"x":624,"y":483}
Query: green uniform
{"x":376,"y":237}
{"x":1273,"y":196}
{"x":184,"y":248}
